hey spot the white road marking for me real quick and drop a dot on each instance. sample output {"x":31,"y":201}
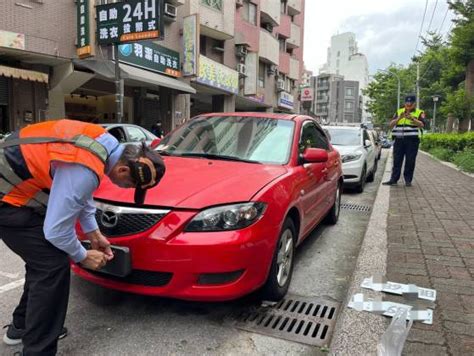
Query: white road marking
{"x":11,"y":285}
{"x":9,"y":275}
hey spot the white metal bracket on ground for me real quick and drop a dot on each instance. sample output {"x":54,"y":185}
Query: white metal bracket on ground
{"x":407,"y":290}
{"x":360,"y":303}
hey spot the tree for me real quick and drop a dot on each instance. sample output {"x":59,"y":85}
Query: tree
{"x":462,"y":39}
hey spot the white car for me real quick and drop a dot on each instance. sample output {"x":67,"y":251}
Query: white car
{"x":358,"y":154}
{"x":129,"y":133}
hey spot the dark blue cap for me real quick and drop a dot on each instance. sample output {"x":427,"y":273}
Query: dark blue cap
{"x":410,"y":99}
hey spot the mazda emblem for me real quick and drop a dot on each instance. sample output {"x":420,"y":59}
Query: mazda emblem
{"x":109,"y":219}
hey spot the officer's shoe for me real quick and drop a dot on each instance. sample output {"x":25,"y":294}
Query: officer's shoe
{"x":407,"y":184}
{"x":14,"y":335}
{"x":389,"y":182}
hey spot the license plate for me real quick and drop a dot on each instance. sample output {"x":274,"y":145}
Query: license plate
{"x":120,"y":265}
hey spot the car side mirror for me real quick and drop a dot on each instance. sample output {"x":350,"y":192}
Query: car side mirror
{"x":315,"y":155}
{"x":367,"y":143}
{"x":155,"y":143}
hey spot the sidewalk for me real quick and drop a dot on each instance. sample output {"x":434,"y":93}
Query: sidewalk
{"x":430,"y":241}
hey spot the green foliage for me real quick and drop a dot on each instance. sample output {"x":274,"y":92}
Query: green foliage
{"x":453,"y":142}
{"x":462,"y":36}
{"x":442,"y":153}
{"x":465,"y":160}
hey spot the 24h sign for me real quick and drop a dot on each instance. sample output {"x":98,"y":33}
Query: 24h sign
{"x":133,"y":20}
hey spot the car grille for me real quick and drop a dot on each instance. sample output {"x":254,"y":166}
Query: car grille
{"x":115,"y":221}
{"x":140,"y":277}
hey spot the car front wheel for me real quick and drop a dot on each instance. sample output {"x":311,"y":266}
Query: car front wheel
{"x":333,"y":215}
{"x":363,"y":178}
{"x":281,"y":269}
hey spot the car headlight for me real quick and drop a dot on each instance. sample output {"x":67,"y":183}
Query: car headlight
{"x":351,"y":157}
{"x":228,"y":217}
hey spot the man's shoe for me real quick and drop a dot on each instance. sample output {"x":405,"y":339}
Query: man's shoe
{"x":13,"y":335}
{"x":408,"y":184}
{"x":389,"y":182}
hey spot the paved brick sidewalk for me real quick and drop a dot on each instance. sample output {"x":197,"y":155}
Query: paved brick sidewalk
{"x":430,"y":232}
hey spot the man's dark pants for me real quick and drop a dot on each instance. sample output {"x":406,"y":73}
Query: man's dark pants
{"x":43,"y":305}
{"x":407,"y":148}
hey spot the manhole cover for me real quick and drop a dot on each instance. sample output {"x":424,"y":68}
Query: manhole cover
{"x":356,"y":207}
{"x":306,"y":320}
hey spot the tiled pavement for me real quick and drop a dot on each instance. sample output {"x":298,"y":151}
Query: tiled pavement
{"x":430,"y":232}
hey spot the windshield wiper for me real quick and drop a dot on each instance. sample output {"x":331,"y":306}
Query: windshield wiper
{"x":215,"y":156}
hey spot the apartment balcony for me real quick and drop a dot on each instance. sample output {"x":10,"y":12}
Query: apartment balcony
{"x":295,"y":39}
{"x":322,"y":87}
{"x":213,"y":22}
{"x":269,"y":48}
{"x":284,"y":65}
{"x":322,"y":99}
{"x":269,"y":11}
{"x":294,"y":69}
{"x":284,"y":29}
{"x":294,"y":7}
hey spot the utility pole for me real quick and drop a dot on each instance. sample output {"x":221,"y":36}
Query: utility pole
{"x":435,"y":100}
{"x":118,"y":86}
{"x":417,"y":85}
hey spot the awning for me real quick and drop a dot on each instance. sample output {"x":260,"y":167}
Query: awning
{"x":145,"y":76}
{"x":133,"y":75}
{"x":24,"y":74}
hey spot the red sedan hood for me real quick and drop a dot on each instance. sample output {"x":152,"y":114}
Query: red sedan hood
{"x":196,"y":183}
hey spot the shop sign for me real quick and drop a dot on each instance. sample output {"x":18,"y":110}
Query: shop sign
{"x":307,"y":94}
{"x":217,"y":75}
{"x":134,"y":20}
{"x":191,"y":45}
{"x":83,"y":29}
{"x":259,"y":98}
{"x":285,"y":100}
{"x":150,"y":56}
{"x":12,"y":40}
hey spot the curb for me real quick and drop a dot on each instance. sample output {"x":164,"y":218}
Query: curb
{"x":448,"y":164}
{"x":357,"y":333}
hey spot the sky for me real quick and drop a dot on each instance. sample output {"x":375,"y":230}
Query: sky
{"x":386,"y":30}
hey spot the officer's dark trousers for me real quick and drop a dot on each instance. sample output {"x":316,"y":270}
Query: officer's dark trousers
{"x":43,"y":305}
{"x":404,"y":148}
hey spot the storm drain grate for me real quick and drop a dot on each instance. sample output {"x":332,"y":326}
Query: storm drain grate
{"x":306,"y":320}
{"x":356,"y":207}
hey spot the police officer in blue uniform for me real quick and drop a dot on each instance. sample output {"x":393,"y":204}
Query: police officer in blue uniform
{"x":406,"y":126}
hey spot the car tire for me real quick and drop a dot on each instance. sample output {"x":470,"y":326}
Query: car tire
{"x":371,"y":176}
{"x":281,"y":270}
{"x":363,"y":178}
{"x":333,"y":215}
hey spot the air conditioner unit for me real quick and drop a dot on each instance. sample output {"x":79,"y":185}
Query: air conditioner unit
{"x":269,"y":27}
{"x":242,"y":69}
{"x":239,"y":3}
{"x":170,"y":11}
{"x":280,"y":84}
{"x":272,"y":69}
{"x":241,"y":51}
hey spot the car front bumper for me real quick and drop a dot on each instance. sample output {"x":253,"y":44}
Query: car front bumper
{"x":213,"y":266}
{"x":352,"y":171}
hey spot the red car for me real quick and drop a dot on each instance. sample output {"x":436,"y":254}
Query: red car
{"x":241,"y":191}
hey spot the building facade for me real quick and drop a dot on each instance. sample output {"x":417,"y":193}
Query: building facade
{"x":337,"y":101}
{"x":344,"y":58}
{"x":250,"y":58}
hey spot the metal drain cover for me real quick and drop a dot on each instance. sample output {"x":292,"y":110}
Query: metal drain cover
{"x":356,"y":207}
{"x":306,"y":320}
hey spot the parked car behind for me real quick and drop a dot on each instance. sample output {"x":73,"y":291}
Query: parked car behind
{"x":358,"y":153}
{"x":129,"y":133}
{"x":241,"y":191}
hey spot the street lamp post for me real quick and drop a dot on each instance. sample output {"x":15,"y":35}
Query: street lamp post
{"x":398,"y":80}
{"x":435,"y":100}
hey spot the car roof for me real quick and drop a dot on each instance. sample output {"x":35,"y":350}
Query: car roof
{"x":266,"y":115}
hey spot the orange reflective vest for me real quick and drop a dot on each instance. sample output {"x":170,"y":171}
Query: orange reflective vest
{"x":26,"y":157}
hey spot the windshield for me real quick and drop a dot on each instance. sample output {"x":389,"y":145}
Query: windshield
{"x":342,"y":137}
{"x":249,"y":139}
